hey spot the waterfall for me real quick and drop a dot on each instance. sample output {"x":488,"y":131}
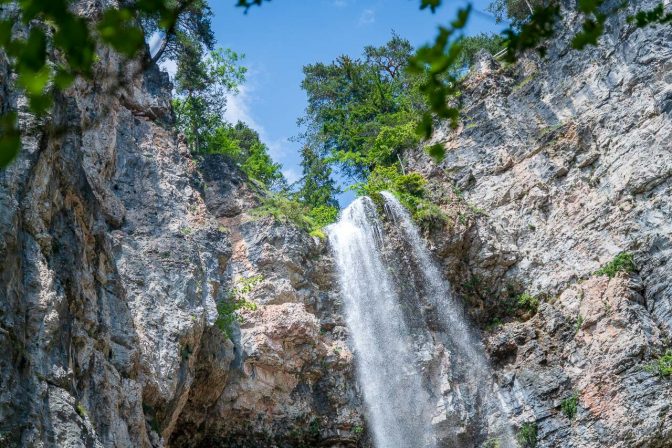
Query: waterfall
{"x":452,"y":314}
{"x":397,"y":404}
{"x":411,"y":337}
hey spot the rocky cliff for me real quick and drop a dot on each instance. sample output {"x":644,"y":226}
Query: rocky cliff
{"x":116,"y":245}
{"x":560,"y":165}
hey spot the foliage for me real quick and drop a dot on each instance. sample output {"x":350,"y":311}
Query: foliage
{"x":662,"y":365}
{"x":578,"y":323}
{"x":286,"y":208}
{"x":472,"y":45}
{"x":409,"y":189}
{"x":528,"y":302}
{"x":514,"y":11}
{"x":656,"y":15}
{"x":317,"y":186}
{"x":526,"y":32}
{"x":623,"y":262}
{"x":81,"y":410}
{"x":228,"y":310}
{"x":53,"y":31}
{"x":192,"y":25}
{"x":492,"y":442}
{"x":359,"y":110}
{"x":185,"y":25}
{"x":202,"y":84}
{"x":323,"y":215}
{"x":569,"y":405}
{"x":527,"y":435}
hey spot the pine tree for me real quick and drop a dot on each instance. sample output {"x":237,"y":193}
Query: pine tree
{"x":317,"y":187}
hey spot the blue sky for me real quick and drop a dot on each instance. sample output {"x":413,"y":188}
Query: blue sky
{"x":282,"y":36}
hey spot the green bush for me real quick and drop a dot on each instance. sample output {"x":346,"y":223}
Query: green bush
{"x":322,"y":216}
{"x":228,"y":309}
{"x":284,"y":208}
{"x":409,"y":189}
{"x":528,"y":302}
{"x":622,"y":262}
{"x":569,"y":405}
{"x":527,"y":435}
{"x":662,"y":366}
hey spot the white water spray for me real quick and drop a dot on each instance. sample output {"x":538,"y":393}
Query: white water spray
{"x":452,"y":314}
{"x":399,"y":409}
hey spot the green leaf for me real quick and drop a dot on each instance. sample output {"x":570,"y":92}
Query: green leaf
{"x":117,"y":29}
{"x":34,"y":53}
{"x":33,"y":82}
{"x":592,"y":30}
{"x":40,"y":103}
{"x":425,"y":127}
{"x":431,"y":4}
{"x":10,"y":139}
{"x":63,"y":78}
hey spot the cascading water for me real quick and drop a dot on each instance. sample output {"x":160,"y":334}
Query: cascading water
{"x":452,"y":314}
{"x":398,"y":405}
{"x":398,"y":347}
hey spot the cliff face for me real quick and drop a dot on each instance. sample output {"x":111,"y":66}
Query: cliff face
{"x":116,"y":245}
{"x":560,"y":165}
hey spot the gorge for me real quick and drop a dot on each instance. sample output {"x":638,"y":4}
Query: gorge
{"x":536,"y":314}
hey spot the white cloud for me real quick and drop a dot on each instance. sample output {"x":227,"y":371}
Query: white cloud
{"x":367,"y":17}
{"x":291,"y":175}
{"x":238,"y":108}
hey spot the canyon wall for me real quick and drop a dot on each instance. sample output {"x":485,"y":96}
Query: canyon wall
{"x":559,"y":165}
{"x":116,"y":245}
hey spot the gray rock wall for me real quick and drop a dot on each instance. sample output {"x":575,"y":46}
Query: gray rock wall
{"x":559,"y":165}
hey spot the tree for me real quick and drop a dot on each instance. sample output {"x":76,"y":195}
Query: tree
{"x":317,"y":185}
{"x":51,"y":25}
{"x":350,"y":101}
{"x":192,"y":25}
{"x":514,"y":11}
{"x":202,"y":84}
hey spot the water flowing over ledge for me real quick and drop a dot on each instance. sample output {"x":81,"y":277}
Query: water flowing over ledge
{"x":407,"y":391}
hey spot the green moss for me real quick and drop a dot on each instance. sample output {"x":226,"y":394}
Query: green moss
{"x":524,"y":82}
{"x":622,"y":262}
{"x":527,"y":302}
{"x":81,"y":410}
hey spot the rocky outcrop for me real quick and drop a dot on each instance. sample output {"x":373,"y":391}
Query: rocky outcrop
{"x":291,"y":382}
{"x":560,"y":165}
{"x":115,"y":247}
